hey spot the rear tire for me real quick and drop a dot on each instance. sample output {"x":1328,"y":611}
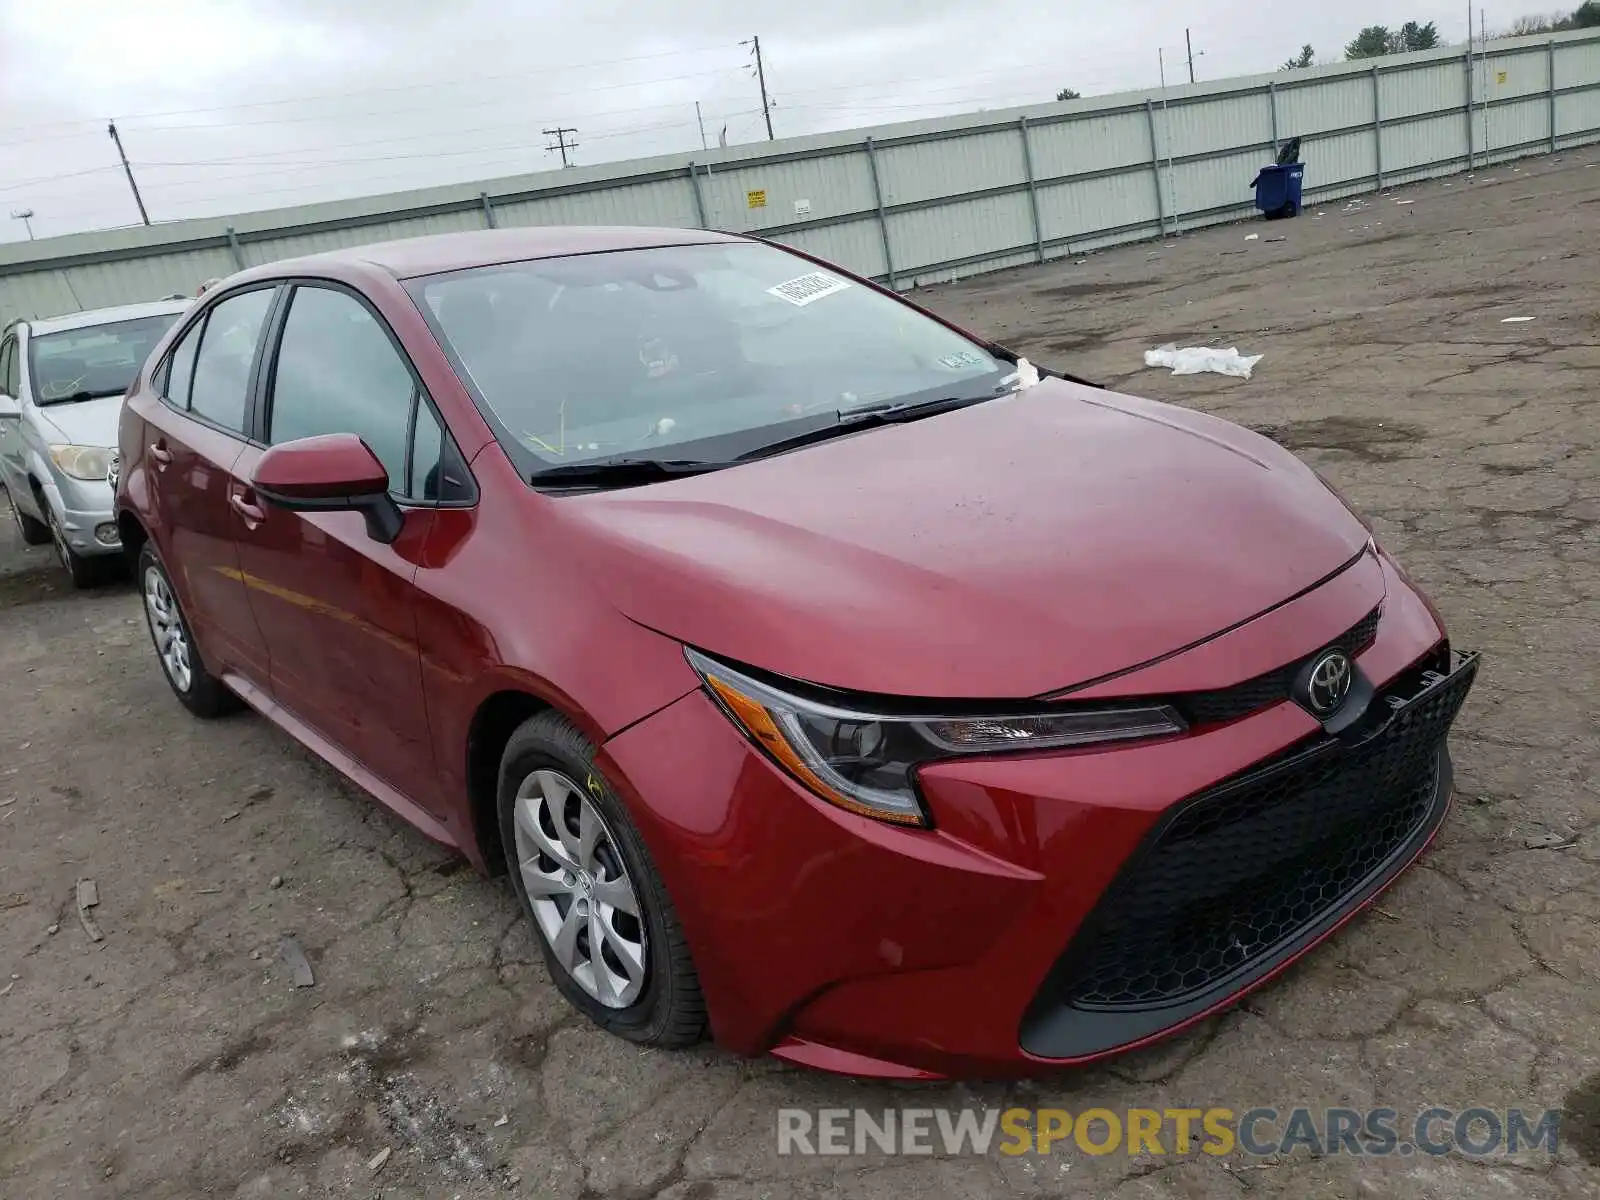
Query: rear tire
{"x":197,"y":689}
{"x":33,"y":531}
{"x":547,"y":775}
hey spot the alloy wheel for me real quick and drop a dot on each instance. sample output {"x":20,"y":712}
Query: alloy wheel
{"x":578,"y":888}
{"x":166,"y":627}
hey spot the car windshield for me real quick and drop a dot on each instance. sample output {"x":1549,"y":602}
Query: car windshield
{"x":700,"y":351}
{"x":94,"y":361}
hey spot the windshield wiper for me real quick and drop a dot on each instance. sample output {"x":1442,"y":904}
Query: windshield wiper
{"x":621,"y":472}
{"x":855,"y":419}
{"x":77,"y":397}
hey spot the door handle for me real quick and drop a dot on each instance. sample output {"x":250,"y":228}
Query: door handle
{"x":159,"y":452}
{"x":252,"y":515}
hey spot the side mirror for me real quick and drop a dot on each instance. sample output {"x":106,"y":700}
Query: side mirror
{"x":9,"y":407}
{"x":334,"y":472}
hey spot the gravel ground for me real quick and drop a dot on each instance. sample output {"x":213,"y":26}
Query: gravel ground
{"x":175,"y":1058}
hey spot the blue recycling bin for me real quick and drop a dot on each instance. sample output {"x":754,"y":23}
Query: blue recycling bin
{"x":1278,"y":189}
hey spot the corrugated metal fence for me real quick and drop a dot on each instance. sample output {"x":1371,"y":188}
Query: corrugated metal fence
{"x":933,"y":200}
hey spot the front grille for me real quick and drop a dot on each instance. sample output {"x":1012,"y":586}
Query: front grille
{"x":1242,"y":870}
{"x":1242,"y":699}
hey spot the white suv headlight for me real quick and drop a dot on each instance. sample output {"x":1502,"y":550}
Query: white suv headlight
{"x":864,"y":761}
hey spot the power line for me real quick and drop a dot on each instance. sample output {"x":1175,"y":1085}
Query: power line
{"x":388,"y":113}
{"x":407,"y":87}
{"x":268,"y":156}
{"x":23,"y":184}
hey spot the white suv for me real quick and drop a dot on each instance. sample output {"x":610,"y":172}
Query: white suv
{"x":61,"y":386}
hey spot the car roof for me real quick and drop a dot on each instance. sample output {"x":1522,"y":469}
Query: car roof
{"x":435,"y":254}
{"x":105,"y":316}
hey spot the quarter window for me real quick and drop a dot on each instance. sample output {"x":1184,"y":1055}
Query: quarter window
{"x":438,"y":473}
{"x":180,"y":369}
{"x":10,"y":374}
{"x":221,"y":384}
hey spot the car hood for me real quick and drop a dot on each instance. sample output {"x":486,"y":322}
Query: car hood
{"x":85,"y":423}
{"x":1010,"y":549}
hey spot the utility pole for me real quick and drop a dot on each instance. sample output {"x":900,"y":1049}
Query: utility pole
{"x":111,"y":128}
{"x":1483,"y":40}
{"x":700,"y":121}
{"x":561,"y":143}
{"x":761,"y":78}
{"x":1188,"y":43}
{"x":25,"y":215}
{"x":1166,"y":122}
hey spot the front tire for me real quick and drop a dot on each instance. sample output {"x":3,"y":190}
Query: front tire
{"x":33,"y":531}
{"x":197,"y":689}
{"x":609,"y":932}
{"x":84,"y":572}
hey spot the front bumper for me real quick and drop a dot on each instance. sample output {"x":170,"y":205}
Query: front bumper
{"x":85,"y":510}
{"x":1007,"y":940}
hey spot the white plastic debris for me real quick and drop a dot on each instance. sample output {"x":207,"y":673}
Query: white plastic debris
{"x":1515,"y":320}
{"x":1026,"y":375}
{"x":1197,"y":360}
{"x":1251,"y":237}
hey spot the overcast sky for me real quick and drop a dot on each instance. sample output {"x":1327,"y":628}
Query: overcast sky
{"x":233,"y":105}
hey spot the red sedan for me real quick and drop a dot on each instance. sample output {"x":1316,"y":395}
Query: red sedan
{"x":824,"y":675}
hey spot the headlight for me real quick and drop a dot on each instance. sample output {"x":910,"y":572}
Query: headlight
{"x":865,"y":761}
{"x":82,"y":462}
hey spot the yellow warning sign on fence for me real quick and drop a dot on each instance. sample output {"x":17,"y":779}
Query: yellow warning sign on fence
{"x":756,"y":199}
{"x":1500,"y":76}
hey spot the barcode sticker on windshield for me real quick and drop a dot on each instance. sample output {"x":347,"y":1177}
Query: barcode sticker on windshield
{"x":804,"y":290}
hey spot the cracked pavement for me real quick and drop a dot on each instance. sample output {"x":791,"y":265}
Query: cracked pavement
{"x":176,"y":1058}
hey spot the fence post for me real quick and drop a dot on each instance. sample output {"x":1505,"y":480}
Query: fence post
{"x":1377,"y":122}
{"x":1272,"y":99}
{"x":233,"y":248}
{"x":883,"y":220}
{"x":1550,"y":65}
{"x":1033,"y":190}
{"x":1155,"y":164}
{"x":489,"y":218}
{"x":1468,"y":78}
{"x":699,"y":196}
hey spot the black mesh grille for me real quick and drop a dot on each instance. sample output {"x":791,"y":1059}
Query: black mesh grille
{"x":1245,"y":867}
{"x":1231,"y":703}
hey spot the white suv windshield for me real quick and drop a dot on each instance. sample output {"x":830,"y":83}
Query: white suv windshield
{"x":641,"y":352}
{"x":94,"y":361}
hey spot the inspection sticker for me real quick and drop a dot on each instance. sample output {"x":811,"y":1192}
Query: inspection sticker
{"x":961,"y":358}
{"x":806,"y":288}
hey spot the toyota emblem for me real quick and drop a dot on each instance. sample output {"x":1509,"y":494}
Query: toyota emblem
{"x":1329,"y":683}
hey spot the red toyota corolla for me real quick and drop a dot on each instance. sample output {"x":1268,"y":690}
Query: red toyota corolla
{"x":822,"y":673}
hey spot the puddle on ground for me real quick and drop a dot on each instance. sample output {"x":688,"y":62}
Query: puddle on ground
{"x":1364,"y":437}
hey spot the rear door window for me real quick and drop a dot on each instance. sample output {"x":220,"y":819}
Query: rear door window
{"x":220,"y":389}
